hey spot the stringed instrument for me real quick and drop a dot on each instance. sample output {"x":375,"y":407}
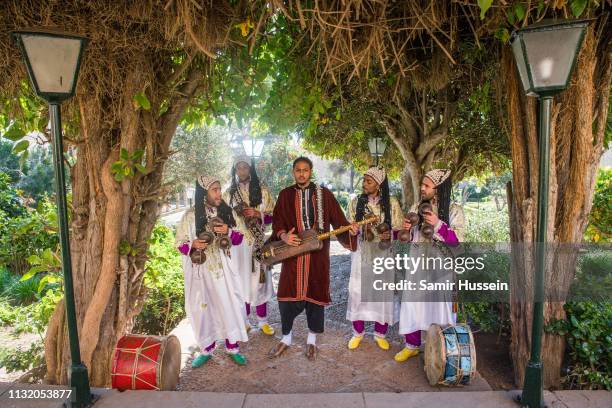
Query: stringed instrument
{"x":277,"y":251}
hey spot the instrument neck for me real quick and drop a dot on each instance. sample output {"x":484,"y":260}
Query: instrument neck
{"x":341,"y":230}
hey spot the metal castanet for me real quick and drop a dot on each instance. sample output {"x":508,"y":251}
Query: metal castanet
{"x":427,"y":230}
{"x":198,"y":256}
{"x":404,"y":235}
{"x":223,"y":239}
{"x":381,"y":229}
{"x":251,"y":222}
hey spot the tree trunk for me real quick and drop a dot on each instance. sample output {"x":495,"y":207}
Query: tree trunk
{"x":112,"y":221}
{"x":577,"y":132}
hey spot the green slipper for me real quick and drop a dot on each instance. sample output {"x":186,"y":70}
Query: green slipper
{"x":238,"y":358}
{"x":200,"y":360}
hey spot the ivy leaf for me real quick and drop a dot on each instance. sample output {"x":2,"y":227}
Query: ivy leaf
{"x":141,"y":168}
{"x":502,"y":34}
{"x":31,"y":272}
{"x":124,"y":155}
{"x":484,"y":6}
{"x":137,"y":155}
{"x":540,"y":7}
{"x":519,"y":10}
{"x":20,"y":146}
{"x":14,"y":132}
{"x":141,"y":101}
{"x":34,"y":260}
{"x":116,"y":167}
{"x":578,"y":7}
{"x":510,"y":17}
{"x":124,"y":247}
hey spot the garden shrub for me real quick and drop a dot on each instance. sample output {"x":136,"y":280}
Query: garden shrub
{"x":164,"y":304}
{"x":600,"y":218}
{"x":589,"y":344}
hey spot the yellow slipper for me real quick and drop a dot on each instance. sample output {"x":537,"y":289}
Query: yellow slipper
{"x":382,"y":342}
{"x":267,"y":329}
{"x":354,"y":342}
{"x":405,"y":354}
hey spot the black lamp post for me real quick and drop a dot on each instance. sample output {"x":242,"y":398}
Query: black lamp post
{"x":377,"y":146}
{"x":545,"y":55}
{"x":53,"y":60}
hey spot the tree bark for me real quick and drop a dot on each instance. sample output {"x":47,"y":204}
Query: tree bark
{"x":109,"y":215}
{"x":577,"y":131}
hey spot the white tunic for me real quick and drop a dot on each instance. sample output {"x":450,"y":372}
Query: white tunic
{"x":420,"y":315}
{"x":381,"y":310}
{"x":213,"y":296}
{"x":253,"y":292}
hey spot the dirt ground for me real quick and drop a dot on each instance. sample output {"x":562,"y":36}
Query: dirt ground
{"x":337,"y":369}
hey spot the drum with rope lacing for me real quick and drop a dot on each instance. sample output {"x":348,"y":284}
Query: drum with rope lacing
{"x":146,"y":363}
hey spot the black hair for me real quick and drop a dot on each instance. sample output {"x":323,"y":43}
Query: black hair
{"x":303,"y":159}
{"x":224,"y":211}
{"x":254,"y":186}
{"x":443,"y":193}
{"x":385,"y":203}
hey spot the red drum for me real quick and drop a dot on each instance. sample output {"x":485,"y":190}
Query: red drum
{"x":146,"y":363}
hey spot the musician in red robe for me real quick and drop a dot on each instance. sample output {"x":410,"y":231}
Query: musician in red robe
{"x":304,"y":279}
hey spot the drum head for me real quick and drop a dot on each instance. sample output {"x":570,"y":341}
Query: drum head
{"x":435,"y":355}
{"x":170,"y":364}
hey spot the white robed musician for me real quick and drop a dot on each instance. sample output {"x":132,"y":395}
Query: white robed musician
{"x":213,"y":296}
{"x":365,"y":303}
{"x":256,"y":205}
{"x":447,"y":220}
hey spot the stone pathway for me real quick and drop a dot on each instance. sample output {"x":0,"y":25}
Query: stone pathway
{"x":106,"y":398}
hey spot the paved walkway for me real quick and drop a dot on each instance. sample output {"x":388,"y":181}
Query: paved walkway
{"x":172,"y":399}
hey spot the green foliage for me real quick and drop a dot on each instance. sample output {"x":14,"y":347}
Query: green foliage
{"x":485,"y":316}
{"x":128,"y":164}
{"x":275,"y":168}
{"x":141,"y":101}
{"x":197,"y":150}
{"x":593,"y":279}
{"x":30,"y":233}
{"x":34,"y":317}
{"x":488,"y":313}
{"x":32,"y":116}
{"x":578,"y":7}
{"x":343,"y":199}
{"x":600,"y":219}
{"x":9,"y":162}
{"x":164,"y":304}
{"x":8,"y":313}
{"x":486,"y":224}
{"x":17,"y":359}
{"x":49,"y":264}
{"x":587,"y":332}
{"x":38,"y":174}
{"x":484,"y":6}
{"x":10,"y":199}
